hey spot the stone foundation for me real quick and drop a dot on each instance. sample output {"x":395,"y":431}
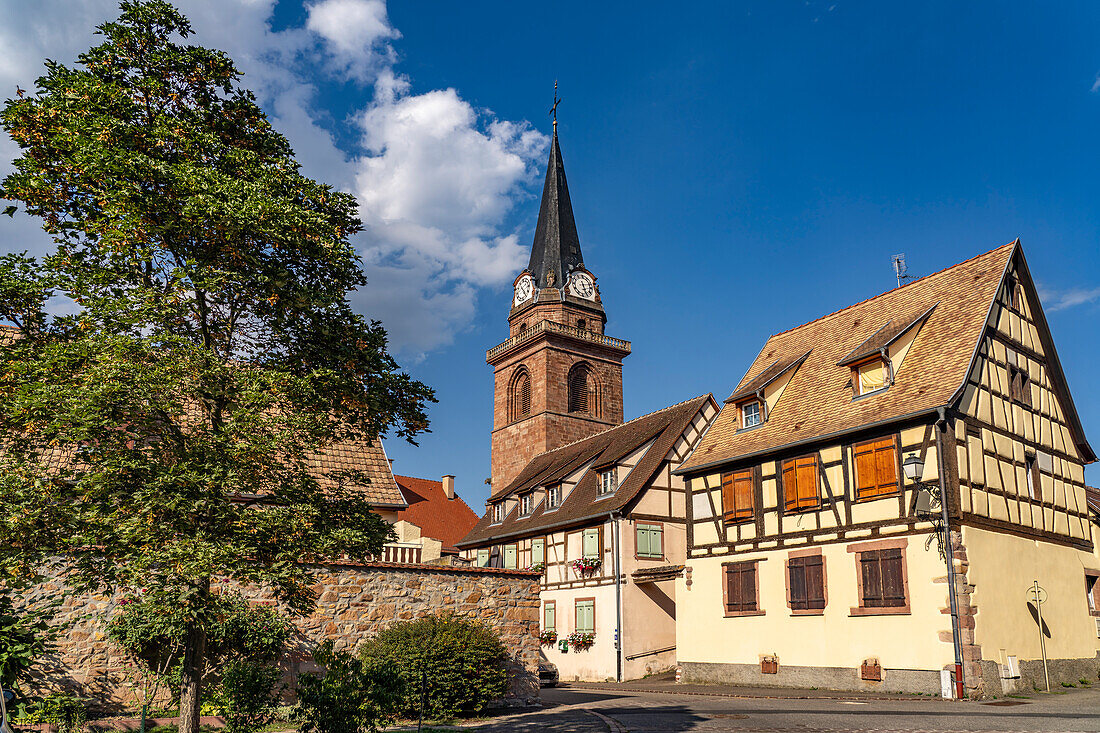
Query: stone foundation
{"x":826,"y":678}
{"x":354,"y":603}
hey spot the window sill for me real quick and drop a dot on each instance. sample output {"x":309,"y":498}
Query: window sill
{"x":734,"y":614}
{"x":801,"y":510}
{"x":883,"y":611}
{"x":736,"y":520}
{"x":864,"y":499}
{"x":872,"y":393}
{"x":649,"y":557}
{"x":604,"y":496}
{"x":808,"y":612}
{"x":751,"y":427}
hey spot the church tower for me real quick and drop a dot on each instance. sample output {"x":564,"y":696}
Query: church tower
{"x":557,"y":378}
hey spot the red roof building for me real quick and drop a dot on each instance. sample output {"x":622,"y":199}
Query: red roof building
{"x":434,"y":507}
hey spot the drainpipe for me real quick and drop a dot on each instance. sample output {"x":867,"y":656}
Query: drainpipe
{"x":956,"y":637}
{"x":616,"y":534}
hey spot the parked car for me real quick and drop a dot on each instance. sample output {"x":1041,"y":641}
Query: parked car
{"x":548,"y":672}
{"x":6,"y":696}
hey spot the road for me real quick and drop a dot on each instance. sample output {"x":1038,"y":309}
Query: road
{"x":573,"y":710}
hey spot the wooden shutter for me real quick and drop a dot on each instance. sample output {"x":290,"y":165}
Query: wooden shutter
{"x":800,"y":484}
{"x":796,"y":577}
{"x":578,"y":389}
{"x":741,"y":587}
{"x":806,"y":579}
{"x":649,"y":538}
{"x":590,"y":544}
{"x":642,"y":535}
{"x":538,"y":551}
{"x":871,"y":575}
{"x":893,"y":584}
{"x":586,"y":615}
{"x":876,"y":468}
{"x":550,"y":617}
{"x":737,"y":493}
{"x":483,"y":557}
{"x":509,"y":556}
{"x":883,"y":578}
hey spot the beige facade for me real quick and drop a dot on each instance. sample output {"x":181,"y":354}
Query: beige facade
{"x":817,"y":562}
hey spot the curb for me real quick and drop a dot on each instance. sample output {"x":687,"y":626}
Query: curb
{"x":746,"y":696}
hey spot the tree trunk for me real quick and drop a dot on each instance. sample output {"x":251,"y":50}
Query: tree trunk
{"x":194,"y":662}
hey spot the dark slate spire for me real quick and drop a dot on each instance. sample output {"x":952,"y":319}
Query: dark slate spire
{"x":557,"y":248}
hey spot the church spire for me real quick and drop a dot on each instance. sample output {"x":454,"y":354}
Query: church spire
{"x":557,"y":248}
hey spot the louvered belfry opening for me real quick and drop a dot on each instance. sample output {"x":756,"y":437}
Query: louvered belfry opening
{"x":582,"y":396}
{"x":520,"y":395}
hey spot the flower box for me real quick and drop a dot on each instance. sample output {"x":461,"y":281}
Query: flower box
{"x":586,"y":565}
{"x":548,"y":638}
{"x":579,"y":640}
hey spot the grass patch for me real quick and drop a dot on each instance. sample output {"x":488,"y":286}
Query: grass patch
{"x":1018,"y":697}
{"x":1068,"y":684}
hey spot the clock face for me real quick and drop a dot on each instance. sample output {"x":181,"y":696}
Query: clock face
{"x":525,"y":288}
{"x":582,"y":286}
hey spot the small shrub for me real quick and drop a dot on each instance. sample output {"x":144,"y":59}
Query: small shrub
{"x":462,"y":664}
{"x":64,"y":711}
{"x":351,"y":696}
{"x":25,"y":635}
{"x":249,"y":695}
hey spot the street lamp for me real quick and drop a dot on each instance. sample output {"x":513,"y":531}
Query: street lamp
{"x":913,"y":466}
{"x":927,"y":493}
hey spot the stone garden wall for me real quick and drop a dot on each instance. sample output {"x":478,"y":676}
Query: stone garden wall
{"x":354,"y":602}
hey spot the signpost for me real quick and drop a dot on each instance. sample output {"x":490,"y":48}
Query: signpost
{"x":1039,"y":595}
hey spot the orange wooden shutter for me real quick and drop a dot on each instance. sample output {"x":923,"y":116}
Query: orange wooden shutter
{"x":790,"y":486}
{"x":886,"y":466}
{"x":808,"y":494}
{"x":729,"y":504}
{"x":866,"y":472}
{"x":743,"y":493}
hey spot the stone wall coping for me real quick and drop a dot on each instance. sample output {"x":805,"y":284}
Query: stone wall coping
{"x":429,"y":567}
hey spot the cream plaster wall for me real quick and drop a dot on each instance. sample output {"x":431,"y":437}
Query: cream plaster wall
{"x":834,"y":639}
{"x":1002,"y":568}
{"x":598,"y":662}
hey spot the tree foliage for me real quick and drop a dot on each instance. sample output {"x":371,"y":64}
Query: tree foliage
{"x":349,"y":696}
{"x":188,"y":348}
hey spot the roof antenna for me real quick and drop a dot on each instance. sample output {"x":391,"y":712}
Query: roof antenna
{"x":900,"y":268}
{"x":554,"y":109}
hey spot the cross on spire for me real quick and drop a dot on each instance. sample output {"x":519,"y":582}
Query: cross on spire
{"x":554,"y":109}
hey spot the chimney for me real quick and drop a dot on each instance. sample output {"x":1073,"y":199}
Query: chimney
{"x":449,"y":486}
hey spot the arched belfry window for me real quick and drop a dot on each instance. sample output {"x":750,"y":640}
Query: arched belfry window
{"x":519,"y":395}
{"x":584,"y":391}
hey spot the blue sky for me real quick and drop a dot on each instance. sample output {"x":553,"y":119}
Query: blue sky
{"x":736,"y":168}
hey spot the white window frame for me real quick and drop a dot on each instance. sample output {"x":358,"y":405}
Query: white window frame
{"x":498,"y":513}
{"x":758,"y":414}
{"x":526,"y":504}
{"x":553,"y":497}
{"x":608,"y":482}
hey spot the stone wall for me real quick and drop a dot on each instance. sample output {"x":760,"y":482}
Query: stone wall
{"x":354,"y":603}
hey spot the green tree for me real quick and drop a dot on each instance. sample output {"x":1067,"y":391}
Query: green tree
{"x":160,"y":428}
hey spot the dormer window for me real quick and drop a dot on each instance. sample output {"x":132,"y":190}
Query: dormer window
{"x":751,"y":414}
{"x":609,"y":481}
{"x":526,"y":504}
{"x":870,"y":376}
{"x":553,"y":497}
{"x":498,"y":513}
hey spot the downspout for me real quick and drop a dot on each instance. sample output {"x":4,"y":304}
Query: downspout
{"x":956,"y":638}
{"x":615,"y":533}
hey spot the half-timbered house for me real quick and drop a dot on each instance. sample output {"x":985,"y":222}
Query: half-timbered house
{"x":603,"y":519}
{"x":815,"y":559}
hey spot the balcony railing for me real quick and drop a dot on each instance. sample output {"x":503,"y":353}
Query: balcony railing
{"x":555,"y":327}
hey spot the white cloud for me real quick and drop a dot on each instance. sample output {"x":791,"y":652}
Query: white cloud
{"x":1057,"y":300}
{"x":437,"y":179}
{"x":1096,"y":84}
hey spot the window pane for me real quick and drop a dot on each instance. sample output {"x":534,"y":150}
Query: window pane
{"x":871,"y":377}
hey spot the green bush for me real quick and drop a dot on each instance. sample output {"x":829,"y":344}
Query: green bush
{"x":462,"y":664}
{"x":249,"y":695}
{"x":64,"y":711}
{"x":351,"y":696}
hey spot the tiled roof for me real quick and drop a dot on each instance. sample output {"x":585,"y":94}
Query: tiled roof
{"x":447,"y":520}
{"x":818,"y":399}
{"x":772,"y":372}
{"x":1092,"y":498}
{"x":663,"y":427}
{"x":367,"y":458}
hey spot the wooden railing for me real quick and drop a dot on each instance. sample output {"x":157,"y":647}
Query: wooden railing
{"x":555,"y":327}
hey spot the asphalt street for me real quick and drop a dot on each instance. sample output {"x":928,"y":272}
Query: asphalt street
{"x":570,"y":710}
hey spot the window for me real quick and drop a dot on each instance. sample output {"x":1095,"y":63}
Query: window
{"x":800,"y":487}
{"x":1031,"y":470}
{"x":483,"y":557}
{"x":609,"y":481}
{"x":526,"y":504}
{"x":1014,"y":294}
{"x":553,"y":497}
{"x":549,"y":616}
{"x":882,"y":579}
{"x":586,"y":615}
{"x":876,"y":468}
{"x":510,"y":553}
{"x":590,"y":543}
{"x":519,"y":400}
{"x":649,"y":540}
{"x":1019,"y":386}
{"x":869,"y":376}
{"x":737,"y":491}
{"x":740,"y":589}
{"x":582,"y":391}
{"x":1092,"y":594}
{"x":806,"y":583}
{"x":538,"y":551}
{"x":498,"y":512}
{"x":580,"y":324}
{"x":750,"y":414}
